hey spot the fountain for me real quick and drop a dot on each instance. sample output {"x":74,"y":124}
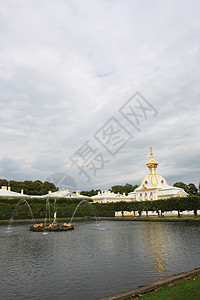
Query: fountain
{"x":15,"y":209}
{"x":47,"y":213}
{"x":47,"y":225}
{"x":54,"y":226}
{"x":54,"y":206}
{"x":83,"y":201}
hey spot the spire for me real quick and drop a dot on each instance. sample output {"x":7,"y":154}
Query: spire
{"x":152,"y":164}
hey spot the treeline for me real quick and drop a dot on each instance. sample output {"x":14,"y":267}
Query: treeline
{"x":29,"y":187}
{"x":127,"y":188}
{"x":38,"y":187}
{"x":190,"y":188}
{"x":90,"y":193}
{"x":178,"y":204}
{"x":65,"y":207}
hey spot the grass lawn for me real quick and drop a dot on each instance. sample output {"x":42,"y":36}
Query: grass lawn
{"x":187,"y":289}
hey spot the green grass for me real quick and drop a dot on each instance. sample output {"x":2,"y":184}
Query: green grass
{"x":187,"y":289}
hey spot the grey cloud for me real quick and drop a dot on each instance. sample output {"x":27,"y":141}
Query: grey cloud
{"x":55,"y":95}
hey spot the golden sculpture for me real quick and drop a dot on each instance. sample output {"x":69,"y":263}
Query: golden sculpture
{"x":151,"y":150}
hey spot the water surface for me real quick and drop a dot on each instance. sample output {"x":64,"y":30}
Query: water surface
{"x":95,"y":260}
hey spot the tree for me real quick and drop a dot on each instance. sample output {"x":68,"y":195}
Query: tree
{"x":90,"y":193}
{"x":193,"y":189}
{"x":127,"y":188}
{"x":29,"y":187}
{"x":182,"y":186}
{"x":193,"y":203}
{"x":190,"y":188}
{"x":3,"y":182}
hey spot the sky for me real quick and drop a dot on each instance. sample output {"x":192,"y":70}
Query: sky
{"x":86,"y":87}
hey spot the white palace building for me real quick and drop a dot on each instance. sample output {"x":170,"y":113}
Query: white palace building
{"x":154,"y":186}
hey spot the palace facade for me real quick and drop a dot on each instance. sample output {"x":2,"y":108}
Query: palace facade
{"x":154,"y":186}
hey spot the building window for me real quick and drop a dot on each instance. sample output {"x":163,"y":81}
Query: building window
{"x":145,"y":194}
{"x":140,"y":194}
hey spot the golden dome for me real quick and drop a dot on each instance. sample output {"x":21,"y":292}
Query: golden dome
{"x":151,"y":163}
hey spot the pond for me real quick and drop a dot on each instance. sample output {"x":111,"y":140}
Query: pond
{"x":95,"y":260}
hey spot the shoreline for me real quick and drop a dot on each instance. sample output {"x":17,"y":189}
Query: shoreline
{"x":149,"y":219}
{"x":29,"y":221}
{"x":151,"y":286}
{"x":116,"y":219}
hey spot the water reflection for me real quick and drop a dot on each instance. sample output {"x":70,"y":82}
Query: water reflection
{"x":155,"y":244}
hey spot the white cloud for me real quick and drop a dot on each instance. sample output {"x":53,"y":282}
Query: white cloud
{"x":67,"y":67}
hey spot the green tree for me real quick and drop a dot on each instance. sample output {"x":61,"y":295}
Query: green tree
{"x":90,"y":193}
{"x":3,"y":182}
{"x":29,"y":187}
{"x":183,"y":186}
{"x":191,"y":189}
{"x":127,"y":188}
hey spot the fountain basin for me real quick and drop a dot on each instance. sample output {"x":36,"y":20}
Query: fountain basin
{"x":52,"y":227}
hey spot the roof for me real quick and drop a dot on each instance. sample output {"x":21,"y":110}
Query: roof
{"x":63,"y":194}
{"x":7,"y":193}
{"x":108,"y":194}
{"x":172,"y":191}
{"x":152,"y":181}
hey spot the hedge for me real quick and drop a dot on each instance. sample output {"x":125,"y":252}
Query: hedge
{"x":65,"y":207}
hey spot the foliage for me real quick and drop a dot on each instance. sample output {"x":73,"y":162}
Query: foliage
{"x":175,"y":203}
{"x":90,"y":193}
{"x":29,"y":187}
{"x":190,"y":188}
{"x":5,"y":211}
{"x":127,"y":188}
{"x":66,"y":207}
{"x":193,"y":189}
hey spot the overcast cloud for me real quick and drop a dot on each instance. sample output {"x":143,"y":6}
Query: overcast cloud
{"x":67,"y":67}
